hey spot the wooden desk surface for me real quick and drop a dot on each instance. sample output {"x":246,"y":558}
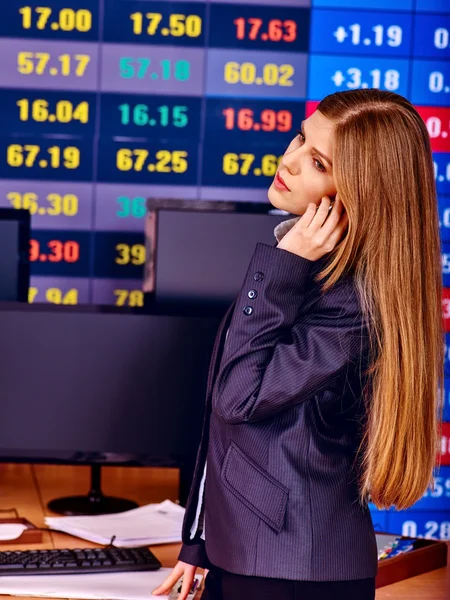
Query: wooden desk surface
{"x":28,"y":488}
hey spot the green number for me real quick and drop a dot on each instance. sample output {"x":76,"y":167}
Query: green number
{"x":125,"y":203}
{"x":144,"y":64}
{"x":138,"y":209}
{"x":180,"y":118}
{"x":126,"y":68}
{"x":131,"y":207}
{"x":125,"y":116}
{"x":140,"y":114}
{"x":182,"y":70}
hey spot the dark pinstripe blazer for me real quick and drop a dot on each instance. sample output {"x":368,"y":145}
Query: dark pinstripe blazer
{"x":282,"y":423}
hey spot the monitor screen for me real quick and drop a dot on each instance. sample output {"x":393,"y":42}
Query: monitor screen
{"x":201,"y":257}
{"x":14,"y":239}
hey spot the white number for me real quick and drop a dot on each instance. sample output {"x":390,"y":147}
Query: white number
{"x":441,"y":38}
{"x":436,"y":82}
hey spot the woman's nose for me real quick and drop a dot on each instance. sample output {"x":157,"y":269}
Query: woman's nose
{"x":291,"y":163}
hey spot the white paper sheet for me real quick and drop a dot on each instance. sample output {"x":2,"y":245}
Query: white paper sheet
{"x":135,"y":585}
{"x":143,"y":526}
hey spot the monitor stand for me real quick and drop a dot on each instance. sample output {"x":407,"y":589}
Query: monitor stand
{"x":94,"y":503}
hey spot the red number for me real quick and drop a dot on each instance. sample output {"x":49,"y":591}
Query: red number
{"x":71,"y":251}
{"x":284,"y":119}
{"x":228,"y":113}
{"x":56,"y":247}
{"x":275,"y":31}
{"x":290,"y":31}
{"x":255,"y":26}
{"x":34,"y":250}
{"x":240,"y":28}
{"x":245,"y":119}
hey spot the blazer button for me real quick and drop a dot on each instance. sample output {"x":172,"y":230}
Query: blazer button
{"x":248,"y":310}
{"x":258,"y":276}
{"x":252,"y":294}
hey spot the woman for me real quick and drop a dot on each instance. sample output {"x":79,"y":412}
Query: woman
{"x":324,"y":396}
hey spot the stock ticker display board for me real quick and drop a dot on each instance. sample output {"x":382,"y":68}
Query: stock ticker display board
{"x":104,"y":103}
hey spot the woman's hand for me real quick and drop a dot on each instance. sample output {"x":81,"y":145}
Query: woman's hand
{"x":180,"y":569}
{"x":317,"y":232}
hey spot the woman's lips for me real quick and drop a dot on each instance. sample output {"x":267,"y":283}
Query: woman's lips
{"x":279,"y":183}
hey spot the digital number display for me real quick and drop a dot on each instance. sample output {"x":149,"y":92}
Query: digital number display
{"x":107,"y":103}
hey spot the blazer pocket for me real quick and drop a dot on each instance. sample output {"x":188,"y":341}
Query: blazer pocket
{"x":258,"y":490}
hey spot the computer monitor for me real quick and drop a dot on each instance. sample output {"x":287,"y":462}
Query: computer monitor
{"x":201,"y":257}
{"x":14,"y":245}
{"x":86,"y":387}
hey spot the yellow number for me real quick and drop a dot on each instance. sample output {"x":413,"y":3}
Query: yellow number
{"x":69,"y":205}
{"x":141,"y":157}
{"x":179,"y":162}
{"x":154,"y":21}
{"x":270,"y":74}
{"x":55,"y":201}
{"x":26,"y":201}
{"x":247,"y":73}
{"x":43,"y":58}
{"x":132,"y":298}
{"x":24,"y":112}
{"x":71,"y":157}
{"x":247,"y":162}
{"x":137,"y":23}
{"x":122,"y":296}
{"x":15,"y":157}
{"x":33,"y":151}
{"x":44,"y":14}
{"x":134,"y":254}
{"x":83,"y":61}
{"x":136,"y":298}
{"x":286,"y":72}
{"x":25,"y":64}
{"x":232,"y":72}
{"x":81,"y":112}
{"x":269,"y":164}
{"x":193,"y":26}
{"x":230,"y":164}
{"x":56,"y":296}
{"x":124,"y":254}
{"x":25,"y":11}
{"x":176,"y":24}
{"x":32,"y":293}
{"x":39,"y":110}
{"x":124,"y":161}
{"x":71,"y":297}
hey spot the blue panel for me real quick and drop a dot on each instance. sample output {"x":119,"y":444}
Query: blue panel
{"x":439,"y":6}
{"x":431,"y":82}
{"x":361,"y":33}
{"x":329,"y":74}
{"x":379,"y":519}
{"x":431,"y":525}
{"x":432,"y":36}
{"x":377,"y":4}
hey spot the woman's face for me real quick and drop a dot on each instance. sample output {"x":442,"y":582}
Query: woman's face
{"x":305,"y":172}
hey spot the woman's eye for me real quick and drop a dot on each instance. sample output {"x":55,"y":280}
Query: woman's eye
{"x":319,"y":165}
{"x":301,"y":137}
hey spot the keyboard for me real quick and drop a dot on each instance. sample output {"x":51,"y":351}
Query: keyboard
{"x":77,"y":560}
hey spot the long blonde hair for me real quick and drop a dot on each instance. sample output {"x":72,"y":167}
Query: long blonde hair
{"x":383,"y":171}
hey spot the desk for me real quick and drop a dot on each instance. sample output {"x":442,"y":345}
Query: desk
{"x":29,"y":487}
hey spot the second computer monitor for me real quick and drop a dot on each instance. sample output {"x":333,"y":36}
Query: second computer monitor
{"x":201,"y":257}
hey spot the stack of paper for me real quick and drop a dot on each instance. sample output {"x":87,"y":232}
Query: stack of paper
{"x":143,"y":526}
{"x":114,"y":586}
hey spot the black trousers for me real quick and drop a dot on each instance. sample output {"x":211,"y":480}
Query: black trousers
{"x":222,"y":585}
